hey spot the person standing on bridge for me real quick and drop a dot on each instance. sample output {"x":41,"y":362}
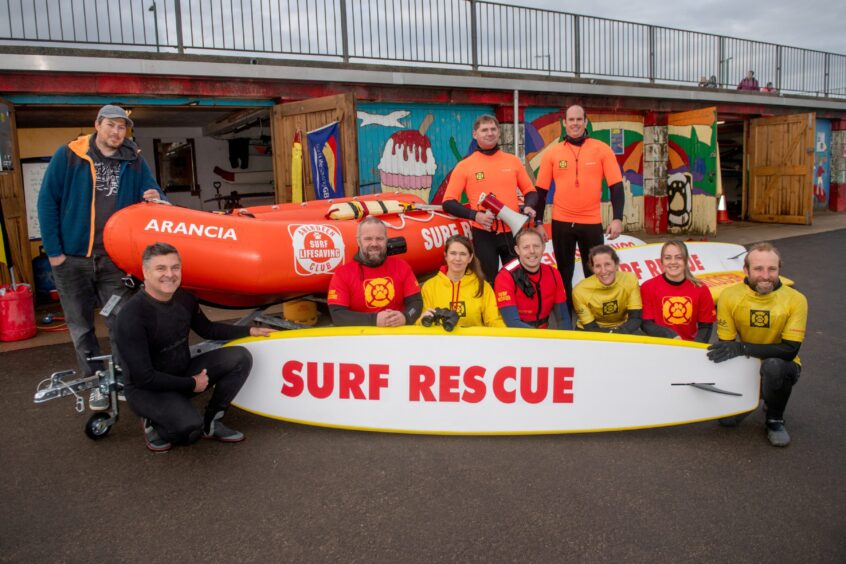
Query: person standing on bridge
{"x":749,"y":83}
{"x":769,"y":320}
{"x":489,"y":170}
{"x":578,"y":166}
{"x":87,"y":181}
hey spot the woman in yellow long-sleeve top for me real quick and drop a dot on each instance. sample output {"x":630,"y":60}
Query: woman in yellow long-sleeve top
{"x":609,"y":301}
{"x":461,"y":287}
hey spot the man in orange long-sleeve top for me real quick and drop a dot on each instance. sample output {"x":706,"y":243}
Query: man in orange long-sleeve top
{"x":578,"y":165}
{"x":489,"y":170}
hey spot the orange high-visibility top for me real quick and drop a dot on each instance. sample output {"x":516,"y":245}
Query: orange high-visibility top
{"x":578,"y":173}
{"x":500,"y":174}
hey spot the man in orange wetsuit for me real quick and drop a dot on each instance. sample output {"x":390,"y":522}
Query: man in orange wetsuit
{"x":578,"y":165}
{"x":489,"y":170}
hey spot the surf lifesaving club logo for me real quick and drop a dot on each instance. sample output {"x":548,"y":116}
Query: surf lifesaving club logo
{"x":379,"y":292}
{"x":318,"y":249}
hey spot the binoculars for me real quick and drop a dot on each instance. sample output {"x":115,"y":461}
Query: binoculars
{"x":442,"y":316}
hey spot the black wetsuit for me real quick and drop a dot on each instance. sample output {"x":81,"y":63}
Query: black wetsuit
{"x":153,"y":340}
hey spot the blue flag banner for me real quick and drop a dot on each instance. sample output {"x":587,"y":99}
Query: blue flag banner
{"x":324,"y":149}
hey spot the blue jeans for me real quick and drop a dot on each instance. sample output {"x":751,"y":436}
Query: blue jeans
{"x":86,"y":283}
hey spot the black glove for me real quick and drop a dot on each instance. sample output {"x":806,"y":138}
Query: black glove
{"x":725,"y":350}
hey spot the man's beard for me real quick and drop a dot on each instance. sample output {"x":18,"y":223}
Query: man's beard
{"x":371,"y":259}
{"x":769,"y":287}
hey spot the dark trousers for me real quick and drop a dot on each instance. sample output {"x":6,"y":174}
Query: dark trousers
{"x":565,"y":237}
{"x":84,"y":284}
{"x":491,"y":247}
{"x":777,"y":380}
{"x":172,"y":414}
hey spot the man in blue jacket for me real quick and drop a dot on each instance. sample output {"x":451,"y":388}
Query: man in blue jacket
{"x":86,"y":182}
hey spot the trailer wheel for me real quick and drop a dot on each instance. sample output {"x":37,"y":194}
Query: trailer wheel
{"x":98,"y":426}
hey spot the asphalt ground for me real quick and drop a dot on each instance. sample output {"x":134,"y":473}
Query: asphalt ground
{"x":693,"y":493}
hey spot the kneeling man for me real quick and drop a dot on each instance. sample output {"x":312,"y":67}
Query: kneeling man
{"x":161,"y":377}
{"x":769,"y":320}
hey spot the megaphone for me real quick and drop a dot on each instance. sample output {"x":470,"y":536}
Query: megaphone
{"x":514,"y":220}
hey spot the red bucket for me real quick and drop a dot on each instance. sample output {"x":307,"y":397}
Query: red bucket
{"x":17,"y":313}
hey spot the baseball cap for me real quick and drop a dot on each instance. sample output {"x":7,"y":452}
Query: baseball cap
{"x":114,"y":112}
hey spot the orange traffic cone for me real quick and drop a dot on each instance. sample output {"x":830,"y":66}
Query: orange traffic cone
{"x":722,"y":212}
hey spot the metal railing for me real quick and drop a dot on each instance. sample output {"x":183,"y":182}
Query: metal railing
{"x":471,"y":34}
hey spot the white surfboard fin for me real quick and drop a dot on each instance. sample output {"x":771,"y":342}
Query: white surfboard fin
{"x":708,"y":387}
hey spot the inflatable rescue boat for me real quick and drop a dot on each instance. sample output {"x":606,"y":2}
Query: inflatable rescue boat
{"x":266,"y":254}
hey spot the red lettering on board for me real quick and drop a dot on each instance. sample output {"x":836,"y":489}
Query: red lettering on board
{"x":448,"y":383}
{"x":562,"y":385}
{"x":503,"y":374}
{"x":376,"y":379}
{"x":539,"y":393}
{"x":350,"y":379}
{"x":632,"y":267}
{"x":420,"y":382}
{"x":474,"y":384}
{"x":653,"y":267}
{"x":292,"y":382}
{"x":317,"y":390}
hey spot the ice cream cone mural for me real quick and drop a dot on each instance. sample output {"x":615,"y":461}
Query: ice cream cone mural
{"x":408,"y":164}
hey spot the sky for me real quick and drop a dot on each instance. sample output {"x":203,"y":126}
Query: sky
{"x":810,"y":24}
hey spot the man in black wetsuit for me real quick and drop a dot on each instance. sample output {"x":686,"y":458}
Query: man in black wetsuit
{"x":161,"y":377}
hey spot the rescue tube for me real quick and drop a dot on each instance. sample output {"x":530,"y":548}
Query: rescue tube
{"x":267,"y":254}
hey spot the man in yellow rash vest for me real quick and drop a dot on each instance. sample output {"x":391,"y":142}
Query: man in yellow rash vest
{"x":769,"y":319}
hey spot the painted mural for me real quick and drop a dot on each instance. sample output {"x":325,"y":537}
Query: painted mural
{"x":413,"y":147}
{"x":822,"y":163}
{"x":623,"y":133}
{"x":692,"y":172}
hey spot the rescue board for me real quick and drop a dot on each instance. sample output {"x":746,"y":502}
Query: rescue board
{"x":489,"y":380}
{"x":717,"y":265}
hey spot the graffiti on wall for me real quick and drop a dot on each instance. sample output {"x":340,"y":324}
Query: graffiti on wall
{"x":413,"y":147}
{"x":692,"y":171}
{"x":623,"y":133}
{"x":822,"y":163}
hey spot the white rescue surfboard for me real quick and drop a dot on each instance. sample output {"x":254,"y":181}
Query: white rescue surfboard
{"x":489,"y":381}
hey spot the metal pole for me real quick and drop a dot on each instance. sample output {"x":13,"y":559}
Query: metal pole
{"x":516,"y":120}
{"x":180,"y":48}
{"x":155,"y":11}
{"x":474,"y":48}
{"x":778,"y":68}
{"x":577,"y":45}
{"x":345,"y":51}
{"x":651,"y":54}
{"x":827,"y":71}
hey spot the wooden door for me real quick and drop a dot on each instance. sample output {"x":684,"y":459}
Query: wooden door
{"x":12,"y":200}
{"x":780,"y":164}
{"x":308,"y":115}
